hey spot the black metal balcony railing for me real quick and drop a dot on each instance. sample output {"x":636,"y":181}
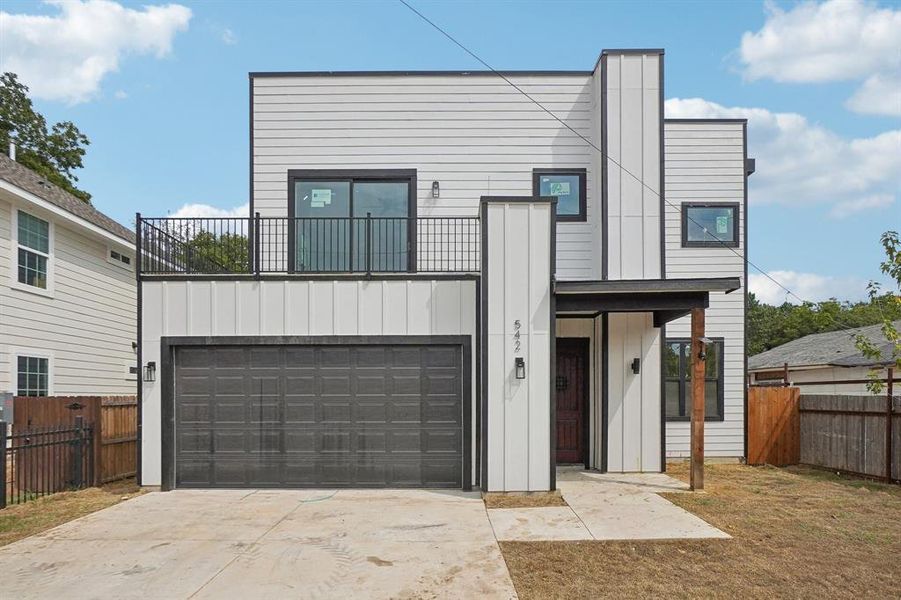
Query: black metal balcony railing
{"x":320,"y":245}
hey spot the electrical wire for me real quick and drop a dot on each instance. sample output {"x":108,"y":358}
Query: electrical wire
{"x":605,"y":156}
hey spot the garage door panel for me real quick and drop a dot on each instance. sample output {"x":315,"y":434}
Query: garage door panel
{"x":319,"y":416}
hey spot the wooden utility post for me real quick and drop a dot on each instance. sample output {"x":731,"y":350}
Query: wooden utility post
{"x":698,"y":370}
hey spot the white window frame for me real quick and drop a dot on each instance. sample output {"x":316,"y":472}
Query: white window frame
{"x":119,"y":263}
{"x":15,"y":353}
{"x":14,"y":254}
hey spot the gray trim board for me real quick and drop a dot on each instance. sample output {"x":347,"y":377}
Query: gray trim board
{"x":167,"y":380}
{"x":604,"y":174}
{"x":662,"y":194}
{"x":483,"y":348}
{"x":140,"y":352}
{"x":250,"y":203}
{"x":605,"y":389}
{"x":552,"y":328}
{"x":639,"y":286}
{"x":744,"y":382}
{"x":475,"y":73}
{"x":705,"y":121}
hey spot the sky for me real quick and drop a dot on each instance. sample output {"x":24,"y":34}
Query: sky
{"x":161,"y":90}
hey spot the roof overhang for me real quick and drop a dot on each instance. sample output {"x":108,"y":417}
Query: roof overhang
{"x":668,"y":299}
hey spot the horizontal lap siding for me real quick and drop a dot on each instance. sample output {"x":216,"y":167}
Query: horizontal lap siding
{"x":474,"y":135}
{"x":705,"y":163}
{"x":87,"y":327}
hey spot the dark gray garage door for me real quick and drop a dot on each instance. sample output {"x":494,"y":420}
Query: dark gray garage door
{"x":327,"y":416}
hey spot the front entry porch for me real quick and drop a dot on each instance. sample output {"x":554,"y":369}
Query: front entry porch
{"x":608,"y":383}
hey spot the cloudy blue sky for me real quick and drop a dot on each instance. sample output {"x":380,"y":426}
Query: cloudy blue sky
{"x":161,"y":90}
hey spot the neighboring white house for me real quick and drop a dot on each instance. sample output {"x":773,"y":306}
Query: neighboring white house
{"x":67,"y":292}
{"x":443,"y":285}
{"x":816,"y":361}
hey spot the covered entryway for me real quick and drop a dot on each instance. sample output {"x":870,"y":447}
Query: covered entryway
{"x":319,"y":415}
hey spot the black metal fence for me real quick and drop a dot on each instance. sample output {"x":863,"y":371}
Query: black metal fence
{"x":230,"y":246}
{"x":44,"y":461}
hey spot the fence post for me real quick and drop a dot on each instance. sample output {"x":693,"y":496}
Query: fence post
{"x":369,"y":243}
{"x":2,"y":464}
{"x":78,"y":453}
{"x":889,"y":402}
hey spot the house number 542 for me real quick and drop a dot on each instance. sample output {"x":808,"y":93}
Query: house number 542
{"x":516,"y":343}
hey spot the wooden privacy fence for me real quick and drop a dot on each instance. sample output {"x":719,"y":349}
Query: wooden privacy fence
{"x":852,"y":433}
{"x":114,"y":422}
{"x":774,"y":430}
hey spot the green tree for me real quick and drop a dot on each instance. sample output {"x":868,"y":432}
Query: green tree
{"x":771,"y":326}
{"x":54,"y":153}
{"x":891,"y":266}
{"x":224,"y":253}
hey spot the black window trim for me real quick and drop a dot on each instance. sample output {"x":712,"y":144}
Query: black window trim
{"x":351,"y":176}
{"x":582,"y":174}
{"x":720,"y":376}
{"x":736,"y":208}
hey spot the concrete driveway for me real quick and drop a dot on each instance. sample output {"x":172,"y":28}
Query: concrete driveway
{"x":267,"y":544}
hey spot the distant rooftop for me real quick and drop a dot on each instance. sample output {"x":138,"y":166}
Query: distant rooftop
{"x":835,"y":348}
{"x":26,"y":179}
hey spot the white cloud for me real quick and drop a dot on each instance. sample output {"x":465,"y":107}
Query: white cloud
{"x":206,"y":210}
{"x":120,"y":95}
{"x":809,"y":286}
{"x":879,"y":95}
{"x":803,"y":162}
{"x":838,"y":40}
{"x":851,"y":207}
{"x":67,"y":55}
{"x":229,"y":37}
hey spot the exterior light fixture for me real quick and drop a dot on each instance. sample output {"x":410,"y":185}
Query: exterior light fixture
{"x":150,"y":371}
{"x":520,"y":367}
{"x":436,"y":191}
{"x":636,"y":365}
{"x":704,"y":341}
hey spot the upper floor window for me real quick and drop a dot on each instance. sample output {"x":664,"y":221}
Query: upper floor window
{"x":351,"y":220}
{"x":33,"y":376}
{"x":33,"y":239}
{"x":568,"y":186}
{"x":710,"y":224}
{"x":677,"y":380}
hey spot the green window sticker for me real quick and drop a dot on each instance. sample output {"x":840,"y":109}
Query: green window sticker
{"x":320,"y":198}
{"x":722,"y":224}
{"x":559,"y":188}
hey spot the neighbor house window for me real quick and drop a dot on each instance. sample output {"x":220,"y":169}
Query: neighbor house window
{"x":709,"y":225}
{"x":677,"y":380}
{"x":352,"y":220}
{"x":568,"y":186}
{"x":33,"y":238}
{"x":33,"y":376}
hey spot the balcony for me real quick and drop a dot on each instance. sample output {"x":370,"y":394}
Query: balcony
{"x":308,"y":245}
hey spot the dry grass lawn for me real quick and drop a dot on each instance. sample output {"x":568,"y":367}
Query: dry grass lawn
{"x":22,"y":520}
{"x":798,"y":533}
{"x":530,"y":500}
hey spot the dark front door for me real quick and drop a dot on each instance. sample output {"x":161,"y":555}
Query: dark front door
{"x":572,"y":399}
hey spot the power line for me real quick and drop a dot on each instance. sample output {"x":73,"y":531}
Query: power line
{"x":606,"y":156}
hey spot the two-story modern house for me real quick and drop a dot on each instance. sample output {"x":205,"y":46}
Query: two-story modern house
{"x":441,"y":285}
{"x":67,"y":293}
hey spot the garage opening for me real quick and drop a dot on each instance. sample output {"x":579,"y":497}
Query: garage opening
{"x":290,"y":416}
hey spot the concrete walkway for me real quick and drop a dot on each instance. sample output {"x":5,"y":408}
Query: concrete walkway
{"x":605,"y":507}
{"x":266,"y":544}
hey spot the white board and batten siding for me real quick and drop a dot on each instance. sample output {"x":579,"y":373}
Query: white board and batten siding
{"x":294,"y":308}
{"x":517,"y":284}
{"x":705,"y":163}
{"x":474,"y":134}
{"x":85,"y":324}
{"x":633,"y":165}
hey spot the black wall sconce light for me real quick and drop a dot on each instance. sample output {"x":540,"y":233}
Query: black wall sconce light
{"x":150,"y":371}
{"x":436,"y":191}
{"x":520,"y":367}
{"x":636,"y":365}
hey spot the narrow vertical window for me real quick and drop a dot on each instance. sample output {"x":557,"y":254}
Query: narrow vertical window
{"x":33,"y":238}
